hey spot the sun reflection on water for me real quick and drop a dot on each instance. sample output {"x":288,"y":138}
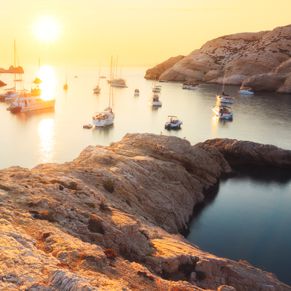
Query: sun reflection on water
{"x":48,"y":83}
{"x":46,"y":131}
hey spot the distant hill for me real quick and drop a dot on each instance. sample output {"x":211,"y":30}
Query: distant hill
{"x":259,"y":60}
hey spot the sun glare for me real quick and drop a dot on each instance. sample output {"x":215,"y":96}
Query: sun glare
{"x":48,"y":82}
{"x":47,"y":29}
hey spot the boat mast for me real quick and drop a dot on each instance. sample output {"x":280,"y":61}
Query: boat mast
{"x":111,"y":78}
{"x":14,"y":63}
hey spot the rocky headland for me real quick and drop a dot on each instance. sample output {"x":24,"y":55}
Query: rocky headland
{"x":259,"y":60}
{"x":111,"y":219}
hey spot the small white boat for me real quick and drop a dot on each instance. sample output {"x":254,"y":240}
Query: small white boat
{"x":187,"y":86}
{"x":246,"y":91}
{"x":156,"y":101}
{"x":225,"y":99}
{"x":104,"y":118}
{"x":173,"y":123}
{"x":223,"y":112}
{"x":136,"y":92}
{"x":156,"y":89}
{"x":25,"y":102}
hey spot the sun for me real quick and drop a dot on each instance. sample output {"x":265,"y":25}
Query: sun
{"x":47,"y":29}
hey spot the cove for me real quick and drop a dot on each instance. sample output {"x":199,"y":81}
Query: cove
{"x":248,"y":219}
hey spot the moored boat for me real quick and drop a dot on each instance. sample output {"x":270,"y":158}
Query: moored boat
{"x":156,"y":89}
{"x":118,"y":83}
{"x":173,"y":123}
{"x":136,"y":92}
{"x":97,"y":90}
{"x":246,"y":91}
{"x":189,"y":86}
{"x":156,"y":101}
{"x":225,"y":99}
{"x":104,"y":118}
{"x":25,"y":102}
{"x":223,"y":112}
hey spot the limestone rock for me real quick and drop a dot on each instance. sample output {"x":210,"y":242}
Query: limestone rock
{"x":240,"y":59}
{"x":154,"y":74}
{"x":61,"y":229}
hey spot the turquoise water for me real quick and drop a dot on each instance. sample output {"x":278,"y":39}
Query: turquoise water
{"x":248,"y":219}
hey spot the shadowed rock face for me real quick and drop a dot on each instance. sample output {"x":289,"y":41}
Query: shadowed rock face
{"x":109,"y":220}
{"x":248,"y":59}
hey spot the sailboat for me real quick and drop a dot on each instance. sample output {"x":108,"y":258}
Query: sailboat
{"x":224,"y":98}
{"x":117,"y":82}
{"x":12,"y":93}
{"x":106,"y":117}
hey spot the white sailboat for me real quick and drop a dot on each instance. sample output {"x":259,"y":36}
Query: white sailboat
{"x":12,"y":93}
{"x":106,"y":117}
{"x":115,"y":81}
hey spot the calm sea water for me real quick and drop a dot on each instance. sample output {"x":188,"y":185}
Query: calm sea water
{"x":30,"y":139}
{"x":248,"y":219}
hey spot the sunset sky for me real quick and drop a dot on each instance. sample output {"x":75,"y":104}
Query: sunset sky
{"x":140,"y":32}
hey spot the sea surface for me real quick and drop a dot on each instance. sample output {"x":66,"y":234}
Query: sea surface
{"x":58,"y":136}
{"x":249,"y":219}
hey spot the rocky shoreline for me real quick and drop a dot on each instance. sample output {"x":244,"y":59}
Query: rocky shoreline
{"x":110,"y":219}
{"x":259,"y":60}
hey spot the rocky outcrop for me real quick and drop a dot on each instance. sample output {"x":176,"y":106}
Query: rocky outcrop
{"x":248,"y":59}
{"x":110,"y":220}
{"x":246,"y":153}
{"x":155,"y":73}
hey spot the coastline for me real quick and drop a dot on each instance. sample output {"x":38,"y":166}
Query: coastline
{"x":112,"y":197}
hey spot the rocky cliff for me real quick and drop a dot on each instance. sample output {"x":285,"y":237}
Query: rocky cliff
{"x":259,"y":60}
{"x":110,"y":219}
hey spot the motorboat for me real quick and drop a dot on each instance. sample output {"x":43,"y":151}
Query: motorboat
{"x":225,"y":99}
{"x":119,"y":83}
{"x":156,"y":89}
{"x":156,"y":101}
{"x":223,"y":112}
{"x":136,"y":92}
{"x":25,"y":102}
{"x":189,"y":86}
{"x":104,"y":118}
{"x":173,"y":123}
{"x":246,"y":91}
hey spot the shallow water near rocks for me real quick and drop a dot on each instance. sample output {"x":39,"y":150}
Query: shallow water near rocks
{"x":248,"y":219}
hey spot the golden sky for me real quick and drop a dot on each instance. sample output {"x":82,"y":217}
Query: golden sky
{"x":140,"y":32}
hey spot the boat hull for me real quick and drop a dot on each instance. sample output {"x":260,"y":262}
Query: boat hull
{"x":33,"y":106}
{"x":174,"y":126}
{"x":246,"y":92}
